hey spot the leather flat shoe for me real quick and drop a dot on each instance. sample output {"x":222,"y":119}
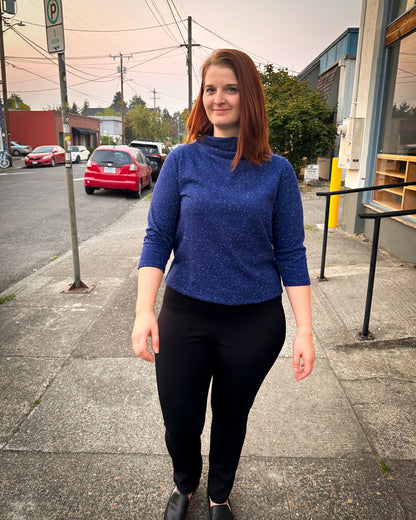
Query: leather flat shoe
{"x":177,"y":506}
{"x":221,"y":512}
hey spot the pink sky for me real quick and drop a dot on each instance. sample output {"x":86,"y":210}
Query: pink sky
{"x":289,"y":34}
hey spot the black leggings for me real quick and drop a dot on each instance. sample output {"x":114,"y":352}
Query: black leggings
{"x":235,"y":347}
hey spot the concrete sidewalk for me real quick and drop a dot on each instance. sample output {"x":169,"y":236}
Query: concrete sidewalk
{"x":82,"y":435}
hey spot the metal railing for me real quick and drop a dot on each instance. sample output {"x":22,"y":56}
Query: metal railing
{"x":364,"y":334}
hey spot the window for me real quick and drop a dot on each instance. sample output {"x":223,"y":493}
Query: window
{"x":399,"y":134}
{"x":399,"y":7}
{"x":396,"y":160}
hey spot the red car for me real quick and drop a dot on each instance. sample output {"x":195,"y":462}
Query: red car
{"x":118,"y":168}
{"x":45,"y":155}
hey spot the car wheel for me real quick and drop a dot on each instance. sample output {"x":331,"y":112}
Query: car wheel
{"x":150,"y":183}
{"x":89,"y":190}
{"x":78,"y":159}
{"x":16,"y":153}
{"x":138,"y":193}
{"x":53,"y":162}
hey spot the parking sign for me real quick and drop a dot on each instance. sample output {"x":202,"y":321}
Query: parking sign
{"x":54,"y":25}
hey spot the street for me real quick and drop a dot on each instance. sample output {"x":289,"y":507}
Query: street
{"x":34,"y":218}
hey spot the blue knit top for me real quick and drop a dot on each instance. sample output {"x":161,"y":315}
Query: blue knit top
{"x":234,"y":234}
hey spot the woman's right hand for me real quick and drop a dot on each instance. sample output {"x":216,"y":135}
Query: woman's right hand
{"x":145,"y":326}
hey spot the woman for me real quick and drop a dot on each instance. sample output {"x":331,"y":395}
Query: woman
{"x":231,"y":212}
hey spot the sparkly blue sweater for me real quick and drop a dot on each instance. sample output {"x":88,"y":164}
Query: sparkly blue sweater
{"x":235,"y":234}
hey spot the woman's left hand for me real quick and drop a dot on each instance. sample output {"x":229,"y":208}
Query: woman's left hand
{"x":303,"y":354}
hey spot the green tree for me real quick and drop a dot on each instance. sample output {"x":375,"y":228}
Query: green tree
{"x":15,"y":102}
{"x":140,"y":123}
{"x":107,"y":112}
{"x":74,"y":109}
{"x":116,"y":104}
{"x":85,"y":107}
{"x":299,"y":119}
{"x":134,"y":101}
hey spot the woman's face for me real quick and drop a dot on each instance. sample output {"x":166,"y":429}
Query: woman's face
{"x":221,"y":99}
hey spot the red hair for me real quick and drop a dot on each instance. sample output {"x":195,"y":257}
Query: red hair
{"x":253,"y":137}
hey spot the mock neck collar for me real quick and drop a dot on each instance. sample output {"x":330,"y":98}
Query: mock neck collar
{"x":221,"y":143}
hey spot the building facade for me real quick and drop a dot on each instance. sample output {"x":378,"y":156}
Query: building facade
{"x":378,"y":132}
{"x":384,"y":101}
{"x":37,"y":128}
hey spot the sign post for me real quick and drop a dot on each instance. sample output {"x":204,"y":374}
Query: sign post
{"x":56,"y":43}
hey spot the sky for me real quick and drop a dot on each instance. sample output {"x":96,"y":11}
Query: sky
{"x":149,"y":34}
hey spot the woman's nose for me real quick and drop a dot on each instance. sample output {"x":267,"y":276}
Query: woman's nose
{"x":219,"y":97}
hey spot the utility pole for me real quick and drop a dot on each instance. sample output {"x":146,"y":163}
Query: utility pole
{"x":122,"y":71}
{"x":154,"y":99}
{"x":4,"y":88}
{"x":189,"y":46}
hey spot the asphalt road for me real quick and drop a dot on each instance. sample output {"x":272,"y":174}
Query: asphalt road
{"x":34,"y":217}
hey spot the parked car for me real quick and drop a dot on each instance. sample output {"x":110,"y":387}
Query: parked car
{"x":79,"y":153}
{"x":19,"y":148}
{"x":45,"y":155}
{"x":117,"y":167}
{"x":154,"y":150}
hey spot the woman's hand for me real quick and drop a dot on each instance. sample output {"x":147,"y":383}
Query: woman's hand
{"x":303,"y":354}
{"x":145,"y":326}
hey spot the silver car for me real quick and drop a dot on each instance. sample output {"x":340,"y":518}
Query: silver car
{"x":19,"y":148}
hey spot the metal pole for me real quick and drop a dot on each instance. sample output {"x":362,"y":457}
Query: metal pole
{"x":365,"y":334}
{"x":189,"y":62}
{"x":123,"y":128}
{"x":4,"y":88}
{"x":322,"y":277}
{"x":78,"y":284}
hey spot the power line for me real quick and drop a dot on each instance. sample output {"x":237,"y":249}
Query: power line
{"x":106,"y":30}
{"x":265,"y":60}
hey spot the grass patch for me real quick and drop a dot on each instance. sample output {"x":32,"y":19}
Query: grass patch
{"x":53,"y":258}
{"x":384,"y":468}
{"x":35,"y":403}
{"x":8,"y":298}
{"x":310,"y":227}
{"x":148,"y":197}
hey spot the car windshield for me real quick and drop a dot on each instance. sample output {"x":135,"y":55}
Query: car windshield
{"x":146,"y":148}
{"x":42,"y":149}
{"x":111,"y":158}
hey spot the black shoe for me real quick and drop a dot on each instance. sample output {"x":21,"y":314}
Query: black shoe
{"x":221,"y":512}
{"x":177,"y":506}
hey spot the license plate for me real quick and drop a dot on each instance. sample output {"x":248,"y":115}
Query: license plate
{"x":34,"y":162}
{"x":109,"y":170}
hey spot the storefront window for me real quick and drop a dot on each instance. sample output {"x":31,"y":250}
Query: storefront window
{"x":400,"y":7}
{"x":399,"y":136}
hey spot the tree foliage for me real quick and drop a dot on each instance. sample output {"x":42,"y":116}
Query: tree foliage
{"x":15,"y":102}
{"x":299,"y":119}
{"x":143,"y":124}
{"x":74,"y":109}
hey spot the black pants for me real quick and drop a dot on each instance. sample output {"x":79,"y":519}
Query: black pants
{"x":235,"y":347}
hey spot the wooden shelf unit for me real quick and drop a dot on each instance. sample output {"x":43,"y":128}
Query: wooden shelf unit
{"x":394,"y":169}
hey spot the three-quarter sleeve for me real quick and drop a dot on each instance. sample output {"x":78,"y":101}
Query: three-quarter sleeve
{"x":288,"y":230}
{"x":163,"y":216}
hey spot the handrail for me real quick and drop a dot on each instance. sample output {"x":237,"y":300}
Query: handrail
{"x":329,"y":194}
{"x":364,"y":334}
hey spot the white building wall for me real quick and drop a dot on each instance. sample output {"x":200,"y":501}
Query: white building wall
{"x":368,"y":59}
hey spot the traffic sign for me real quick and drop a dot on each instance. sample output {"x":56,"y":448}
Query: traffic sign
{"x":54,"y":25}
{"x":53,"y":12}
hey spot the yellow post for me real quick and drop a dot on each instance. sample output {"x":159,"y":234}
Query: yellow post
{"x":335,"y":185}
